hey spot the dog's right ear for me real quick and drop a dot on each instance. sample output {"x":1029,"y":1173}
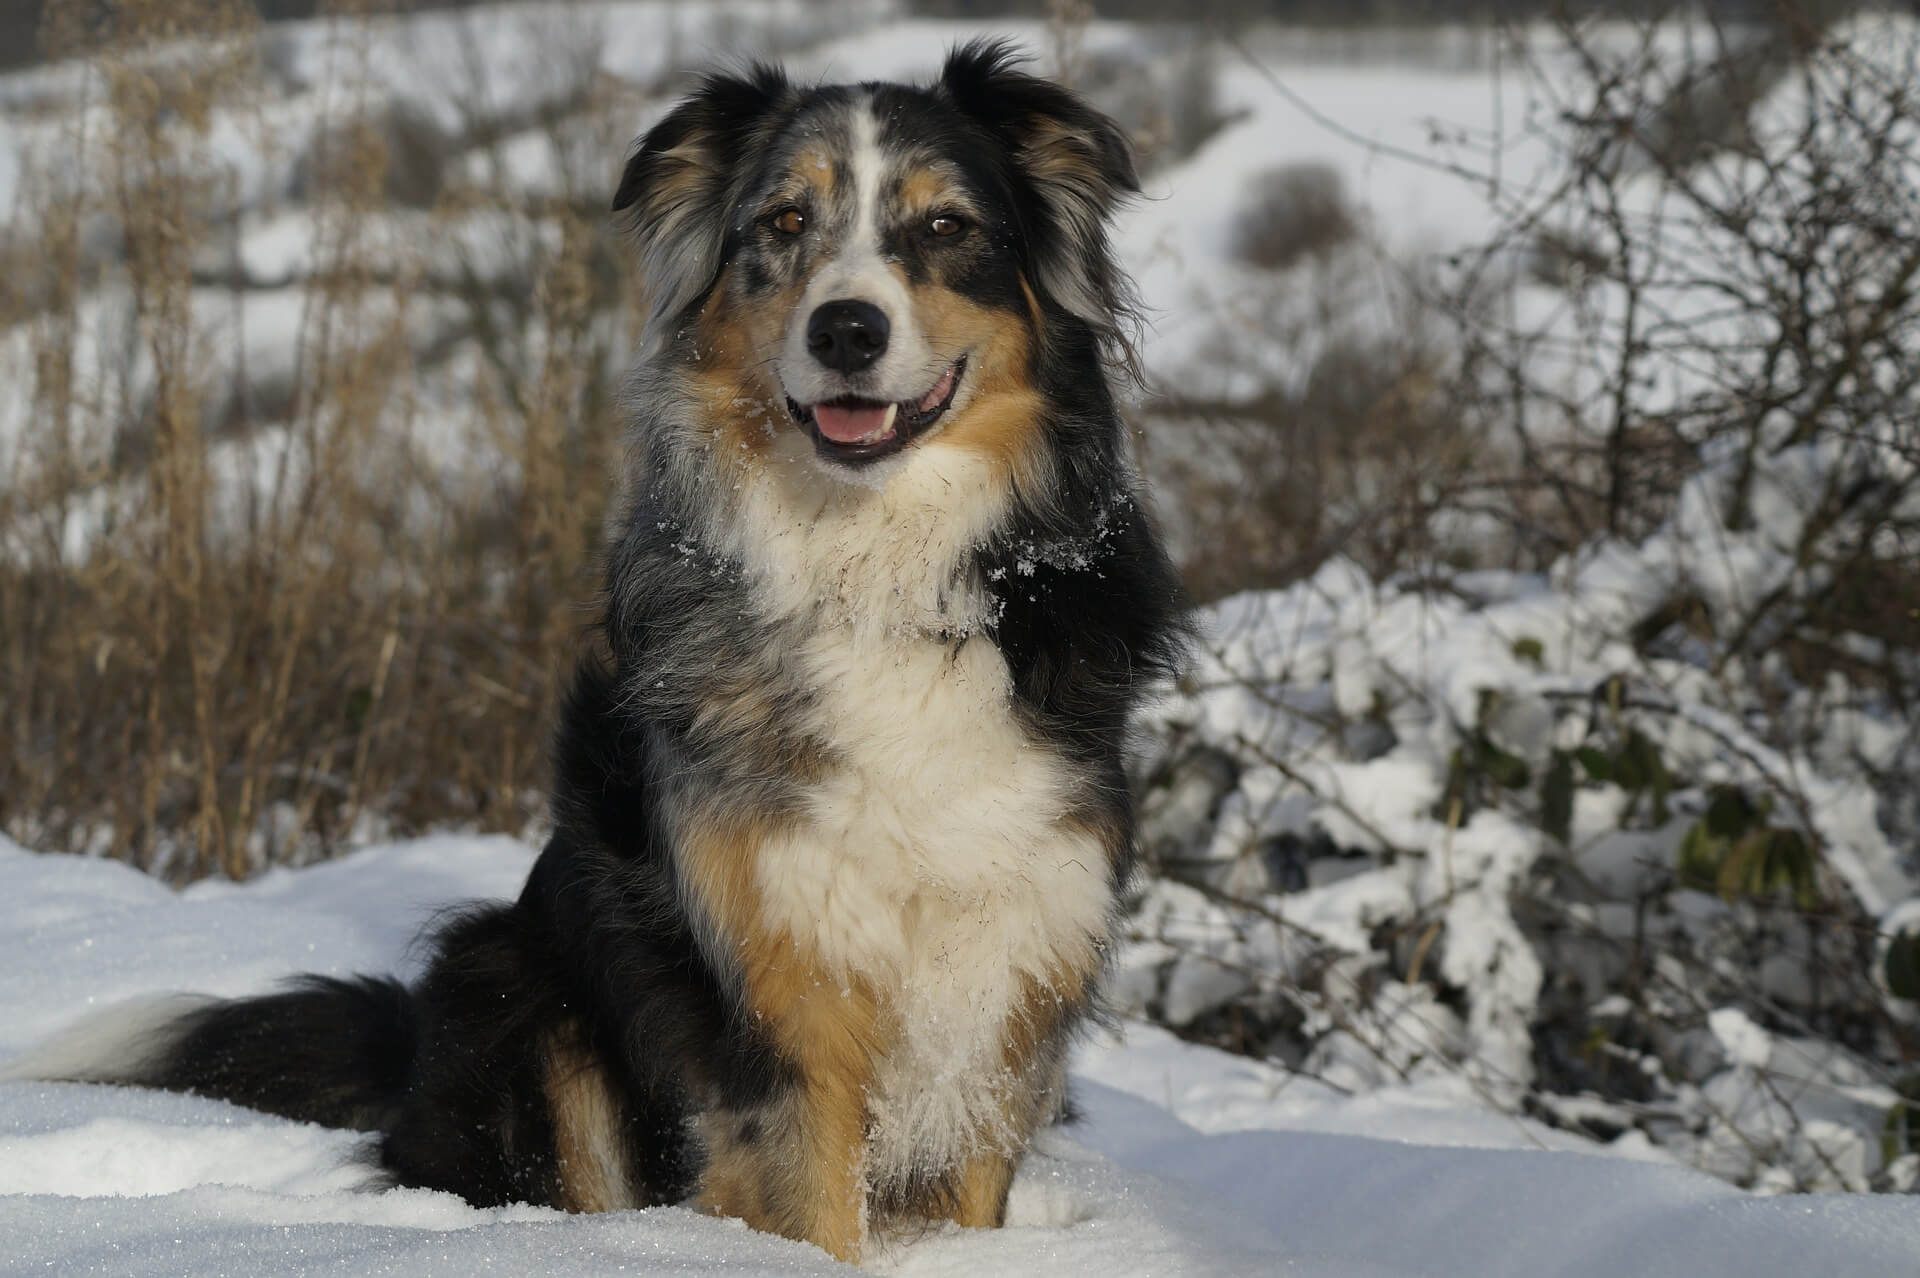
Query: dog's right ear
{"x":676,"y":193}
{"x":1077,"y":162}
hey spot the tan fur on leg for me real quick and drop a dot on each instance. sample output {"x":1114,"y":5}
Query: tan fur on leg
{"x":980,"y":1191}
{"x":794,"y":1167}
{"x":830,"y":1030}
{"x":588,"y":1138}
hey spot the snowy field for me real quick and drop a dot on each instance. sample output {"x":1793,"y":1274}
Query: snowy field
{"x":1189,"y":1161}
{"x":1400,"y":1156}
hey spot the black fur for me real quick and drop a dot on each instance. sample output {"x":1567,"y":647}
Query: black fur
{"x":355,"y":1040}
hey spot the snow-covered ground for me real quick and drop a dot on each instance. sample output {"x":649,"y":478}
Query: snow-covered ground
{"x":1188,"y":1161}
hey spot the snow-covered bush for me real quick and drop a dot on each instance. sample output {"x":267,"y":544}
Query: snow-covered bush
{"x":1594,"y":809}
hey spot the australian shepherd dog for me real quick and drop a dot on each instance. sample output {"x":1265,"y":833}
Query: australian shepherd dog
{"x":840,"y":820}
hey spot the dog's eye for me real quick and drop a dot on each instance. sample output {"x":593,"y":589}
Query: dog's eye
{"x":788,"y":221}
{"x":947,"y":224}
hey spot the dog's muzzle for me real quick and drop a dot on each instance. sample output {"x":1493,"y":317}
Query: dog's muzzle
{"x":854,"y":430}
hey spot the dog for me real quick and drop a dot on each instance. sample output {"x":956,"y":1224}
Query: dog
{"x":840,"y":817}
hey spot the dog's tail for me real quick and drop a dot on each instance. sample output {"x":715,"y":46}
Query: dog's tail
{"x":320,"y":1050}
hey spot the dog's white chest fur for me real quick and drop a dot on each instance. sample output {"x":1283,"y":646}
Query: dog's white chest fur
{"x":933,"y":863}
{"x":932,"y":860}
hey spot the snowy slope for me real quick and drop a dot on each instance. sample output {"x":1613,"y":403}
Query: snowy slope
{"x":115,"y":1181}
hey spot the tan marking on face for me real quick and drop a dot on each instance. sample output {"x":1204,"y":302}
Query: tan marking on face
{"x":731,"y":378}
{"x":762,"y":323}
{"x":588,"y":1139}
{"x":813,"y":169}
{"x":1001,"y":418}
{"x":923,"y":192}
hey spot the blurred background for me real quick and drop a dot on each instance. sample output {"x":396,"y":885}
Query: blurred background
{"x":1530,"y":397}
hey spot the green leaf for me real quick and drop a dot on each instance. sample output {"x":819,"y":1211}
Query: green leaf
{"x":1902,"y":965}
{"x":1663,"y":783}
{"x":1614,"y":690}
{"x":1759,"y":863}
{"x":1530,"y":650}
{"x":1508,"y":771}
{"x":1701,"y":852}
{"x":1629,"y":766}
{"x":1456,"y":788}
{"x":1729,"y":813}
{"x":1597,"y":765}
{"x":1743,"y":871}
{"x":1900,"y":1132}
{"x":1791,"y":865}
{"x":1556,"y":797}
{"x":1662,"y":787}
{"x":1637,"y":767}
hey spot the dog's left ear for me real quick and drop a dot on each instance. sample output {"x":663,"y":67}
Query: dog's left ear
{"x":677,"y":191}
{"x":1079,"y":163}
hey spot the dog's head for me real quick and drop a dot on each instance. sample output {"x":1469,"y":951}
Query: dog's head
{"x":880,"y":262}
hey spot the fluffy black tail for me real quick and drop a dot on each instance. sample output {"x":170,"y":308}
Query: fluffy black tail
{"x":321,"y":1050}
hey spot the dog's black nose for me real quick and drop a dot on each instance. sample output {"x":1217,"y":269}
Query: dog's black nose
{"x":848,"y":336}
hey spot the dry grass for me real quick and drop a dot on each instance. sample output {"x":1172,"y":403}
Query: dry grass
{"x":220,"y":675}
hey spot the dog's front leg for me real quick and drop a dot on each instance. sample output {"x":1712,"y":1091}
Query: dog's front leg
{"x":1032,"y":1090}
{"x":980,"y":1191}
{"x":795,"y":1166}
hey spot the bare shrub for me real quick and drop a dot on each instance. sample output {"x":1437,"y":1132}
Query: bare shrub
{"x":255,"y":613}
{"x":1746,"y":301}
{"x":1294,"y":212}
{"x":415,"y":152}
{"x":1352,"y":461}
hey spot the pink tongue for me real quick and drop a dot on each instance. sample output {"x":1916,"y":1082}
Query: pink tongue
{"x":848,"y":425}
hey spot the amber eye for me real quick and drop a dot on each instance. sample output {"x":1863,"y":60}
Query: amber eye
{"x":946,"y":224}
{"x":789,"y":221}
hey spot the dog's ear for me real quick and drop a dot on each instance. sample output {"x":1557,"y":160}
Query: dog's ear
{"x":1078,"y":163}
{"x":677,"y":191}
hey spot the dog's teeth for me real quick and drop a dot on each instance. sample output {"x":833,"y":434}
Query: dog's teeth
{"x":884,"y":429}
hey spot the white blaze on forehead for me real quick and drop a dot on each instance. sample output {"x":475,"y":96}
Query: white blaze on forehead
{"x":857,"y":270}
{"x":869,"y":165}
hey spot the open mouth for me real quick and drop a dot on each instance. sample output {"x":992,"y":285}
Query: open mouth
{"x":855,"y":430}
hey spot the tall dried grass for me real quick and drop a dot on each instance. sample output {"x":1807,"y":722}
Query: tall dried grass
{"x":242,"y":625}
